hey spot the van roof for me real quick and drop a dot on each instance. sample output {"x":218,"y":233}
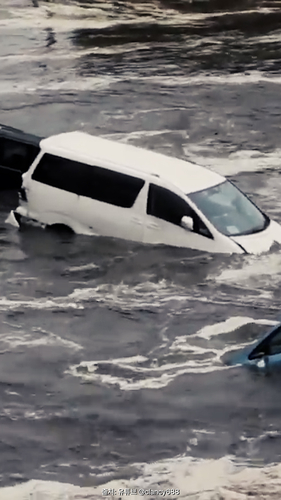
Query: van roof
{"x":83,"y":147}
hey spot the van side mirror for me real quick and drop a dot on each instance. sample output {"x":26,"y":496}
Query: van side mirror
{"x":187,"y":222}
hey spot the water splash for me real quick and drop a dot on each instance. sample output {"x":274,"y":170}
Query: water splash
{"x":223,"y":479}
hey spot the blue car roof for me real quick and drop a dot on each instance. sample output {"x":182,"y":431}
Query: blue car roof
{"x":267,"y":335}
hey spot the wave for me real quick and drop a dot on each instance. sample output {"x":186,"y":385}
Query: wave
{"x":38,"y":337}
{"x":162,"y":366}
{"x":257,"y":272}
{"x":191,"y":479}
{"x":38,"y":304}
{"x":102,"y":13}
{"x":236,"y":162}
{"x":104,"y":81}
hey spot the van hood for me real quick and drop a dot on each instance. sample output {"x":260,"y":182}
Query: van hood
{"x":262,"y":241}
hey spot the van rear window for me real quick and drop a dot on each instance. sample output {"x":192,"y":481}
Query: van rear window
{"x":93,"y":182}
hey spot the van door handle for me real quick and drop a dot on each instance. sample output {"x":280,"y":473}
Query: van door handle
{"x":137,"y":221}
{"x":153,"y":225}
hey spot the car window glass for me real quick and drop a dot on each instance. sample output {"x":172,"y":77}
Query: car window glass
{"x":274,"y":346}
{"x":229,"y":210}
{"x":164,"y":204}
{"x":93,"y":182}
{"x":17,"y":155}
{"x":269,"y":346}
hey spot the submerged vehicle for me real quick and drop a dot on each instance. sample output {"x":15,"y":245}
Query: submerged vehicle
{"x":100,"y":187}
{"x":17,"y":152}
{"x":264,"y":354}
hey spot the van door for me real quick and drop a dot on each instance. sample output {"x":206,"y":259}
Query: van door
{"x":111,"y":203}
{"x":51,"y":191}
{"x":164,"y":212}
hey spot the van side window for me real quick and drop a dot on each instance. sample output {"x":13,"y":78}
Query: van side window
{"x":16,"y":155}
{"x":164,"y":204}
{"x":93,"y":182}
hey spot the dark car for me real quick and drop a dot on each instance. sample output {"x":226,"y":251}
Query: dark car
{"x":17,"y":152}
{"x":263,"y":355}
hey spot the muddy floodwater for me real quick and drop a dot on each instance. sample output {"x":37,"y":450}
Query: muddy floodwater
{"x":112,"y":373}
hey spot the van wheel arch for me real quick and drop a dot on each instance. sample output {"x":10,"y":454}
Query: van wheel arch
{"x":60,"y":229}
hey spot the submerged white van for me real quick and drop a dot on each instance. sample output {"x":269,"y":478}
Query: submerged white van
{"x":100,"y":187}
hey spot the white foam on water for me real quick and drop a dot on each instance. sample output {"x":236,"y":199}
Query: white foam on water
{"x":158,"y":369}
{"x":182,"y":343}
{"x":123,"y":297}
{"x":12,"y":393}
{"x":38,"y":337}
{"x":144,"y":295}
{"x":249,"y":77}
{"x":229,"y":325}
{"x":46,"y":490}
{"x":20,"y":278}
{"x":251,"y":161}
{"x":38,"y":56}
{"x":260,"y":271}
{"x":126,"y":138}
{"x":194,"y":479}
{"x":27,"y":87}
{"x":65,"y":53}
{"x":39,"y":304}
{"x":83,"y":267}
{"x":234,"y":163}
{"x":268,"y":38}
{"x":151,"y":297}
{"x":58,"y":16}
{"x":222,"y":479}
{"x":17,"y":412}
{"x":151,"y":377}
{"x":61,"y":24}
{"x":65,"y":16}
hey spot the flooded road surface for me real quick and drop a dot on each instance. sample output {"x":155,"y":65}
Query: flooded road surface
{"x":112,"y":373}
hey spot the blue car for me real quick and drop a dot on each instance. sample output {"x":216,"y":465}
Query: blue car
{"x":264,"y":355}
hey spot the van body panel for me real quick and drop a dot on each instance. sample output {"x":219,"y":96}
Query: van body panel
{"x":158,"y":231}
{"x":257,"y":243}
{"x":50,"y":205}
{"x":45,"y":219}
{"x":105,"y":219}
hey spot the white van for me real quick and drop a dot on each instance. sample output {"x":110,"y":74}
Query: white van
{"x":100,"y":187}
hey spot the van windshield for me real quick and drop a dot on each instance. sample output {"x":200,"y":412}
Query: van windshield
{"x":229,"y":210}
